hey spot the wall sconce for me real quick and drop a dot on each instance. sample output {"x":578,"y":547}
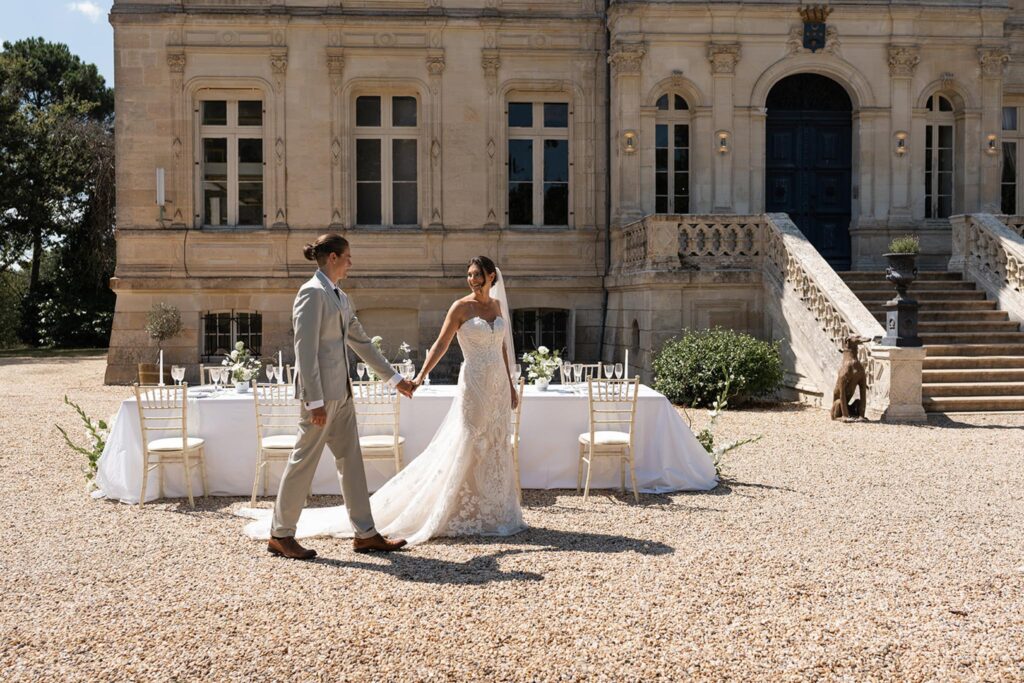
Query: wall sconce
{"x":901,"y":143}
{"x":629,"y":141}
{"x":723,"y":141}
{"x":992,"y":147}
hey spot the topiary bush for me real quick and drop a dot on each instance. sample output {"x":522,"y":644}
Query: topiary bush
{"x":693,"y":369}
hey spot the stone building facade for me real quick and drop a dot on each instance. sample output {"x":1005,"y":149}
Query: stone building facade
{"x":428,"y":131}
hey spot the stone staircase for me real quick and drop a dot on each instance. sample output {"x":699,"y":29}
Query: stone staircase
{"x":975,"y":357}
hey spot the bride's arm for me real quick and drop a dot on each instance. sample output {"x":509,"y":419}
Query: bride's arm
{"x":440,"y":347}
{"x":508,"y":373}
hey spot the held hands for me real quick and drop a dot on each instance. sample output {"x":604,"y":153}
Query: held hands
{"x":407,"y":388}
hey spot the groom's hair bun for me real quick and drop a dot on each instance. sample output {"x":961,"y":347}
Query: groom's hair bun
{"x":485,"y":264}
{"x":325,"y":245}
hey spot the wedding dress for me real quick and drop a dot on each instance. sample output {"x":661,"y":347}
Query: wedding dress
{"x":463,"y":483}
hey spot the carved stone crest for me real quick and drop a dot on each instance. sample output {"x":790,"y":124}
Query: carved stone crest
{"x":993,"y":60}
{"x":176,"y":62}
{"x":795,"y":43}
{"x":435,"y":65}
{"x":279,"y":64}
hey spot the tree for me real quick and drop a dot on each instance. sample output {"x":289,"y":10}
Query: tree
{"x":55,"y":154}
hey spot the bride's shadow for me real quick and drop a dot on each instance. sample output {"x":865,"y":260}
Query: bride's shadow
{"x":411,"y":565}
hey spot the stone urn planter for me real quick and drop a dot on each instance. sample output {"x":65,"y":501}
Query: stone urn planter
{"x":901,"y":311}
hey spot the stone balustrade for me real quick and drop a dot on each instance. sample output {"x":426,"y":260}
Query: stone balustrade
{"x":803,"y":295}
{"x":990,"y":250}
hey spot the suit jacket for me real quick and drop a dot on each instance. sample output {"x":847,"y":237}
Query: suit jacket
{"x":325,"y":325}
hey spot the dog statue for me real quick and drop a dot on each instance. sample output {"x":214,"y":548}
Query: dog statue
{"x":851,"y":376}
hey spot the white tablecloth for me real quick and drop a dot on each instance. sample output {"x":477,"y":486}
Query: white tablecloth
{"x":668,"y":457}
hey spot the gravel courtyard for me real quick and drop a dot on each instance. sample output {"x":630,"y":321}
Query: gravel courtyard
{"x":831,"y":552}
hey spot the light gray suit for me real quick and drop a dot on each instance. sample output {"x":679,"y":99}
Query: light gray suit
{"x":325,"y":325}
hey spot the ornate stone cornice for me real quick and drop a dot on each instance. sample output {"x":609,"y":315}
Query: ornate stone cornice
{"x":176,"y":62}
{"x":903,"y":60}
{"x":723,"y":57}
{"x":993,"y":60}
{"x":626,"y":58}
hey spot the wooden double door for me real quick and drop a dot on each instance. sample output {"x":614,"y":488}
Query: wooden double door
{"x":808,"y":164}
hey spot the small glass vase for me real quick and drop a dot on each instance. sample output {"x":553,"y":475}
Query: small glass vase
{"x":241,"y":387}
{"x":541,"y":383}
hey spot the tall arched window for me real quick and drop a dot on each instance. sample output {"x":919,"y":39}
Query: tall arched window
{"x":938,"y":162}
{"x":672,"y":155}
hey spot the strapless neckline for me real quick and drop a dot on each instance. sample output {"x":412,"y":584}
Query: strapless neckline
{"x":490,"y":323}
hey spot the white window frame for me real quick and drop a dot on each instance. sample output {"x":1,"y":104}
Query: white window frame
{"x":672,"y":117}
{"x":387,"y":133}
{"x":538,"y":133}
{"x":1016,"y":137}
{"x":935,"y":120}
{"x":232,"y":133}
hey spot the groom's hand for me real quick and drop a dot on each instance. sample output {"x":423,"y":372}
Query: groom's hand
{"x":406,"y":388}
{"x":318,"y":416}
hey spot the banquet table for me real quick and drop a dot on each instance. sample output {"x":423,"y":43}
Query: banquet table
{"x":668,"y":456}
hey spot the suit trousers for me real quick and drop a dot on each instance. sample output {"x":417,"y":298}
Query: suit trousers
{"x":341,"y":435}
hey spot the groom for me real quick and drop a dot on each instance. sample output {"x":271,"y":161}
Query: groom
{"x":324,"y":325}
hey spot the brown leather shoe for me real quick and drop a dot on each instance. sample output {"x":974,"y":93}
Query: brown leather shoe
{"x":289,"y":547}
{"x":376,"y":543}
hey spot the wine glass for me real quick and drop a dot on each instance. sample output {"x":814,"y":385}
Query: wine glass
{"x":177,"y":373}
{"x":361,"y":370}
{"x":408,"y":370}
{"x":216,"y":374}
{"x":609,"y":370}
{"x":566,"y":370}
{"x":618,"y":371}
{"x":577,"y":372}
{"x":271,"y":372}
{"x":517,"y":371}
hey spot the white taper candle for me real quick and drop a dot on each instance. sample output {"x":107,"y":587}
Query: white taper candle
{"x":161,"y":367}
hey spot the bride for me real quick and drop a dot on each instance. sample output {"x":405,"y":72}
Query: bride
{"x":463,"y":483}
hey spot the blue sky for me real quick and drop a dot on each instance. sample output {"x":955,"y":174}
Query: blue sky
{"x":80,"y":24}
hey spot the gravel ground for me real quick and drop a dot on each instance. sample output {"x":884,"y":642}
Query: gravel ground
{"x":831,"y":552}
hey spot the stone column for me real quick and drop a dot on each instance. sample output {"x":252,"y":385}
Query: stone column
{"x":993,"y":62}
{"x":490,"y":61}
{"x":435,"y":67}
{"x":279,"y":69}
{"x":626,"y":59}
{"x":903,"y":61}
{"x":900,"y":385}
{"x":335,"y":71}
{"x":180,"y":206}
{"x":723,"y":57}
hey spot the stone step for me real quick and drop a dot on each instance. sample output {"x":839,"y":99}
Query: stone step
{"x":954,"y":326}
{"x":961,"y":375}
{"x":921,"y":286}
{"x":957,"y":316}
{"x":991,"y":362}
{"x":975,"y":350}
{"x":877,"y":305}
{"x":924,"y":297}
{"x":932,"y":338}
{"x":973,"y":389}
{"x":972,"y":404}
{"x":868,"y":275}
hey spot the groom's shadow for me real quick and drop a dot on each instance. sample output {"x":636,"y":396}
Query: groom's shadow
{"x":410,"y":565}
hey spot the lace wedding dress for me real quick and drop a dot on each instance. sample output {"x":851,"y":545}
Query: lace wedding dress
{"x":463,"y":483}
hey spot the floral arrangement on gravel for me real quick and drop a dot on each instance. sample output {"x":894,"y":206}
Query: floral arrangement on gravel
{"x":96,"y":433}
{"x":242,"y":364}
{"x":541,"y":364}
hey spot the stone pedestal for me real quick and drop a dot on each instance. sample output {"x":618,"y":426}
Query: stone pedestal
{"x":897,"y":392}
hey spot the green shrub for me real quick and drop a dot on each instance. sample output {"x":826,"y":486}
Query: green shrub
{"x":693,"y":369}
{"x":908,"y":244}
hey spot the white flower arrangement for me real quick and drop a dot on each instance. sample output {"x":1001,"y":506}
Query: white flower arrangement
{"x":541,"y":364}
{"x":242,"y":364}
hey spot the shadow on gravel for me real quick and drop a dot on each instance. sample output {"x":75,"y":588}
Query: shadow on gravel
{"x":410,"y":566}
{"x":943,"y":420}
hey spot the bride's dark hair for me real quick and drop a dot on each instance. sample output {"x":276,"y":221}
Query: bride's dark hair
{"x":485,"y":264}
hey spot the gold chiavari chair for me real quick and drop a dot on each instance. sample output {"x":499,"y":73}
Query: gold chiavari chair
{"x":516,"y":420}
{"x":612,"y":403}
{"x":276,"y":412}
{"x":377,"y":409}
{"x":591,"y":371}
{"x":163,"y":411}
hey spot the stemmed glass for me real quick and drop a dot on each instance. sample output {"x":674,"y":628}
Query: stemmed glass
{"x":216,"y":375}
{"x":408,"y":370}
{"x":577,"y":374}
{"x":361,"y":370}
{"x":177,"y":373}
{"x":271,"y":372}
{"x":618,"y":371}
{"x":517,"y":371}
{"x":609,"y":370}
{"x":566,"y":370}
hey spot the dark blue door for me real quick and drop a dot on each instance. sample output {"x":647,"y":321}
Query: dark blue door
{"x":808,"y":169}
